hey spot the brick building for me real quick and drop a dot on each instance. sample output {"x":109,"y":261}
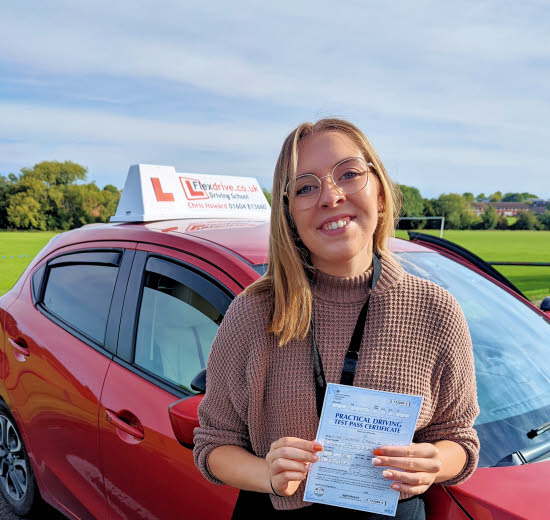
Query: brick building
{"x":508,"y":209}
{"x":540,"y":206}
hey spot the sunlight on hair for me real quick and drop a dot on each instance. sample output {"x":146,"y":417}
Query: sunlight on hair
{"x":286,"y":276}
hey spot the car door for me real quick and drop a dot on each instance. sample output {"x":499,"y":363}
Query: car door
{"x":171,"y":314}
{"x":61,"y":335}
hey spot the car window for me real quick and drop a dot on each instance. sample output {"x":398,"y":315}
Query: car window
{"x":261,"y":269}
{"x":512,"y":364}
{"x":176,"y":329}
{"x":81,"y":295}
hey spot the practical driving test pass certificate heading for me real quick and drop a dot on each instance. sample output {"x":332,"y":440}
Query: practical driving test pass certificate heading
{"x":354,"y":421}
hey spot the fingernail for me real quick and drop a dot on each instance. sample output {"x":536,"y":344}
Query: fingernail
{"x":315,"y":458}
{"x":397,"y":487}
{"x":377,"y":461}
{"x":317,"y":447}
{"x":377,"y":451}
{"x":387,"y":474}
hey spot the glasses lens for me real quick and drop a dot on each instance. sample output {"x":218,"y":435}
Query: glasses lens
{"x":351,"y":175}
{"x":306,"y":191}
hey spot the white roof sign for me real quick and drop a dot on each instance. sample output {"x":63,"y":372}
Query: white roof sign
{"x":160,"y":193}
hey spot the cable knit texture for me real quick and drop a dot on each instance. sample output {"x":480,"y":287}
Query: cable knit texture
{"x":416,"y":341}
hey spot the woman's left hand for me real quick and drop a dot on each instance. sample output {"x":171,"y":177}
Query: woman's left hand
{"x":418,"y":466}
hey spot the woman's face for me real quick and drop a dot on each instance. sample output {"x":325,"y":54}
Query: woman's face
{"x":347,"y":250}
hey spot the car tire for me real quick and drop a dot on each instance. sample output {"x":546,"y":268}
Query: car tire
{"x":17,"y":482}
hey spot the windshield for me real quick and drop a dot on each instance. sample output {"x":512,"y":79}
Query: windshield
{"x":511,"y":352}
{"x":260,"y":268}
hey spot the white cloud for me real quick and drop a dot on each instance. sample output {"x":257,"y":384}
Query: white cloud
{"x":366,"y":68}
{"x":28,"y":121}
{"x":108,"y":144}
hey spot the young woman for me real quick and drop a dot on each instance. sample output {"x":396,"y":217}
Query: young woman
{"x":333,"y":209}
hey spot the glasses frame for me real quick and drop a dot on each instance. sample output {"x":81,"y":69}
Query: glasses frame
{"x":368,"y":164}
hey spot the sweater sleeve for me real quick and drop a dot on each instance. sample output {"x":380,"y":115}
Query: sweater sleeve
{"x":457,"y":405}
{"x":222,"y":412}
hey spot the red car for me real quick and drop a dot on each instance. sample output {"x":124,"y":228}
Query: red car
{"x":104,"y":342}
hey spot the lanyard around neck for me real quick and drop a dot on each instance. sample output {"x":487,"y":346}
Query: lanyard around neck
{"x":352,"y":355}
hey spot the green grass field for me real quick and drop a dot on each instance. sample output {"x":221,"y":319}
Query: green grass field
{"x":14,"y":245}
{"x":509,"y":246}
{"x":504,"y":246}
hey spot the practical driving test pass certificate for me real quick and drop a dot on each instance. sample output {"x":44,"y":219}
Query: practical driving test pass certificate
{"x":354,"y":421}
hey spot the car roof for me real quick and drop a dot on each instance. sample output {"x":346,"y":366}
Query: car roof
{"x":244,"y":238}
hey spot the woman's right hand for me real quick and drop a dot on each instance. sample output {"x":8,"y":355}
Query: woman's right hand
{"x":288,"y":462}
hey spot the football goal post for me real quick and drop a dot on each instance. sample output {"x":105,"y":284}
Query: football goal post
{"x":429,"y":218}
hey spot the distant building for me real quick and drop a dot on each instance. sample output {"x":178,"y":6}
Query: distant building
{"x":540,"y":206}
{"x":479,"y":207}
{"x":508,"y":209}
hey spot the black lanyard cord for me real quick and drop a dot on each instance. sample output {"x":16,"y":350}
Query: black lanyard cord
{"x":352,"y":355}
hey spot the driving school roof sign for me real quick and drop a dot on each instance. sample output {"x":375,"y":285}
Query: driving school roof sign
{"x":160,"y":193}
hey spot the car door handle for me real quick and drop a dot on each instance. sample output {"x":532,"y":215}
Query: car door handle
{"x":116,"y":421}
{"x":21,"y":349}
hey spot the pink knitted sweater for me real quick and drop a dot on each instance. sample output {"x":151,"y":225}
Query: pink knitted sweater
{"x":416,"y":341}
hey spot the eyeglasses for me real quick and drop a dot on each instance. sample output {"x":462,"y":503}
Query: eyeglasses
{"x":348,"y":176}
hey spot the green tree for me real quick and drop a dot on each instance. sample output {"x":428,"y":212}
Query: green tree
{"x":50,"y":195}
{"x":430,"y":211}
{"x":518,"y":197}
{"x":496,"y":196}
{"x":24,"y":212}
{"x":510,"y":197}
{"x":109,"y":202}
{"x":526,"y":220}
{"x":458,"y":212}
{"x":481,"y":197}
{"x":79,"y":202}
{"x":45,"y":184}
{"x":267,"y":194}
{"x":469,"y":197}
{"x":489,"y":218}
{"x":86,"y":203}
{"x":450,"y":205}
{"x":29,"y":203}
{"x":544,"y":220}
{"x":113,"y":189}
{"x":7,"y":189}
{"x":56,"y":173}
{"x":98,"y":205}
{"x":502,"y":222}
{"x":412,"y":206}
{"x":469,"y":218}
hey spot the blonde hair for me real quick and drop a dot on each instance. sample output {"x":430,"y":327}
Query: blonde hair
{"x":286,"y":277}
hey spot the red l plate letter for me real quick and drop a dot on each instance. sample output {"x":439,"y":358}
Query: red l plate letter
{"x":161,"y":196}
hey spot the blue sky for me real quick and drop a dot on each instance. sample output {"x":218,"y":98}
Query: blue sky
{"x":454,"y":95}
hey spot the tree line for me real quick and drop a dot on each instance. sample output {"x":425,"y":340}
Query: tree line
{"x":53,"y":195}
{"x":459,"y":212}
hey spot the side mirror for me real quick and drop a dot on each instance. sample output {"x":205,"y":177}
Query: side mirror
{"x":184,"y":413}
{"x":545,"y":305}
{"x":199,"y":382}
{"x":185,"y":418}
